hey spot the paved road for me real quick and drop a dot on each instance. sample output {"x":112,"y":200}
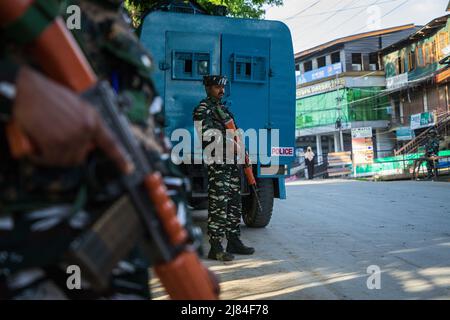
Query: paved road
{"x":321,"y":241}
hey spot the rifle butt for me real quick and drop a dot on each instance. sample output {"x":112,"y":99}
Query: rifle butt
{"x":185,"y":278}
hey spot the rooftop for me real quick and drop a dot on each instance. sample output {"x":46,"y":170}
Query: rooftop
{"x":305,"y":53}
{"x":424,"y":32}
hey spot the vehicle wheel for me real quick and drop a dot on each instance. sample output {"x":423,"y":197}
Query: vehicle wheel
{"x":252,"y":216}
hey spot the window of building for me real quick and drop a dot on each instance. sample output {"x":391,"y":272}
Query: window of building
{"x":412,"y":60}
{"x":405,"y":59}
{"x":443,"y":43}
{"x":373,"y":62}
{"x":297,"y":67}
{"x":400,"y":65}
{"x":321,"y":62}
{"x":397,"y":116}
{"x":336,"y":57}
{"x":356,"y":61}
{"x":419,"y":56}
{"x":427,"y":54}
{"x":433,"y":52}
{"x":307,"y":66}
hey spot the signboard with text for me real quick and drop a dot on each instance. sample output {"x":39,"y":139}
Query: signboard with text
{"x":397,"y":81}
{"x":422,"y":120}
{"x":363,"y":132}
{"x":320,"y":73}
{"x":282,"y":151}
{"x":362,"y":146}
{"x":404,"y":134}
{"x":321,"y":87}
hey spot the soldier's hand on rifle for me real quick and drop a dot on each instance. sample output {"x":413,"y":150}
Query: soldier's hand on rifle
{"x":63,"y":128}
{"x":237,"y":148}
{"x":233,"y":147}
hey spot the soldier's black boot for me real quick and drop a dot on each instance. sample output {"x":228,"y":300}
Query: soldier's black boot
{"x":235,"y":245}
{"x":430,"y":174}
{"x":217,"y":253}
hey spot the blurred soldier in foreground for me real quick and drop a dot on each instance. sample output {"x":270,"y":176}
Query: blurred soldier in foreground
{"x":56,"y":201}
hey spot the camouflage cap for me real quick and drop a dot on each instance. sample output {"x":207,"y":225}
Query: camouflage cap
{"x":212,"y":80}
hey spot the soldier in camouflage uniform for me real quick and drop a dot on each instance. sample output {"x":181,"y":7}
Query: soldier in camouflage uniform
{"x":46,"y":204}
{"x":224,"y":184}
{"x":431,"y":150}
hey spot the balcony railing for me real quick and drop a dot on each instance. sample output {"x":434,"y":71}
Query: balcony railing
{"x":443,"y":119}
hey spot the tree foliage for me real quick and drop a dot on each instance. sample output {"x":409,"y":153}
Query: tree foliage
{"x":243,"y":8}
{"x":236,"y":8}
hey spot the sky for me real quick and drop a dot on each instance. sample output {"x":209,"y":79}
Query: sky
{"x":313,"y":22}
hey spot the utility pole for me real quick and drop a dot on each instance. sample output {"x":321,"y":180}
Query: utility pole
{"x":339,"y":119}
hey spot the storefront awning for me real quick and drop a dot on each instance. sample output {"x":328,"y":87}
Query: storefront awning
{"x":413,"y":83}
{"x":443,"y":76}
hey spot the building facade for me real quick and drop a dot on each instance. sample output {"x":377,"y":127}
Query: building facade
{"x":340,"y":86}
{"x":417,"y":79}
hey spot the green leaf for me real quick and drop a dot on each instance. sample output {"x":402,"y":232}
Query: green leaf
{"x":253,"y":9}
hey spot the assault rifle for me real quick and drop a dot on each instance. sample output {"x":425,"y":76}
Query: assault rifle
{"x":102,"y":247}
{"x":248,"y":168}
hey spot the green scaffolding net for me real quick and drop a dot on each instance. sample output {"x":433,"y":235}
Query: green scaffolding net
{"x":367,"y":104}
{"x":349,"y":104}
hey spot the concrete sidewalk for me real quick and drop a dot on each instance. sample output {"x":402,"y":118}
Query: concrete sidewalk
{"x":323,"y":238}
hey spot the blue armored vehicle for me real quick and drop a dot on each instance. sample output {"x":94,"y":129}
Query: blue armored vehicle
{"x":257,"y":57}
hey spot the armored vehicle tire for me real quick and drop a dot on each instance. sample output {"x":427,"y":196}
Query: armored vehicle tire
{"x":252,"y":216}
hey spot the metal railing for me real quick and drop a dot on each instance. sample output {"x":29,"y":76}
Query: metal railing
{"x":419,"y":167}
{"x":412,"y":167}
{"x":442,"y":120}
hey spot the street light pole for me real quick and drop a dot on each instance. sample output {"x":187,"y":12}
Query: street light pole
{"x":339,"y":119}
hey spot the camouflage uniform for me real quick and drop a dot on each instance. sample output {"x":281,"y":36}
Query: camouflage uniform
{"x":48,"y":208}
{"x":431,"y":149}
{"x":224,"y":184}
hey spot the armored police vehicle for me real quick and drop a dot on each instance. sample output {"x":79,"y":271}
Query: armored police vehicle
{"x":257,"y":58}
